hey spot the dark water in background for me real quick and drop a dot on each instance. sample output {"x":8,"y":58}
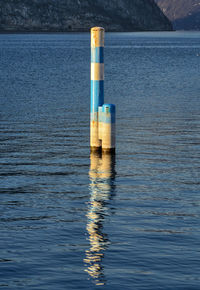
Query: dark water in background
{"x":71,"y":221}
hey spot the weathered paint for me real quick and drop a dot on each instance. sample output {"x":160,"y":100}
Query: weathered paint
{"x":94,"y":136}
{"x":102,"y":116}
{"x":100,"y":122}
{"x":108,"y":138}
{"x":97,"y":84}
{"x":97,"y":37}
{"x":108,"y":113}
{"x":108,"y":127}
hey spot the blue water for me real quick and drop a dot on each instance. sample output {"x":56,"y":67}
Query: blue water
{"x":69,"y":220}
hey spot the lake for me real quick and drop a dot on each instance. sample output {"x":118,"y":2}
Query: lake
{"x":71,"y":220}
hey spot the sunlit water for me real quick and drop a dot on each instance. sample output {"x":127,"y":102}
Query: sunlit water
{"x":69,"y":220}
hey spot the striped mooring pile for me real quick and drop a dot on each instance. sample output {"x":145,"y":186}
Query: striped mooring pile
{"x":102,"y":116}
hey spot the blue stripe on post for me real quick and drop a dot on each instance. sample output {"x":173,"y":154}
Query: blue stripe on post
{"x":108,"y":113}
{"x":97,"y":95}
{"x":97,"y":54}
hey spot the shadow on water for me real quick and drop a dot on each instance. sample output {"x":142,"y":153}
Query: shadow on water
{"x":102,"y":188}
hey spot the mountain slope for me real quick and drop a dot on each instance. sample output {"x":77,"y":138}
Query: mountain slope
{"x":184,"y":14}
{"x":80,"y":15}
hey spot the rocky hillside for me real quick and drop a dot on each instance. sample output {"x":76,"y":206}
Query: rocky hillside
{"x":80,"y":15}
{"x":184,"y":14}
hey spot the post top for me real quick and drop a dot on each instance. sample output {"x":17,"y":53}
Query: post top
{"x":97,"y":37}
{"x":108,"y":108}
{"x":97,"y":29}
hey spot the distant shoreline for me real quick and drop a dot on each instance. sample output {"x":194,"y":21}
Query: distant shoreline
{"x":71,"y":32}
{"x":86,"y":31}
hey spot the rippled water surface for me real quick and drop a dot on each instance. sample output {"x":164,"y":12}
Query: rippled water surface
{"x":69,"y":220}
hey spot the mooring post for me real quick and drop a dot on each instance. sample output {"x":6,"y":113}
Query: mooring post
{"x":97,"y":84}
{"x":102,"y":116}
{"x":108,"y":128}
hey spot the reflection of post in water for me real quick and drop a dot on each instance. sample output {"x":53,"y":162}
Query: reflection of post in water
{"x":102,"y":174}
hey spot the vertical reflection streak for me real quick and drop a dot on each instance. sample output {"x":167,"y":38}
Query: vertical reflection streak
{"x":102,"y":175}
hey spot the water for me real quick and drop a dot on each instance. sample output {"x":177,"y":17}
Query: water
{"x":69,"y":220}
